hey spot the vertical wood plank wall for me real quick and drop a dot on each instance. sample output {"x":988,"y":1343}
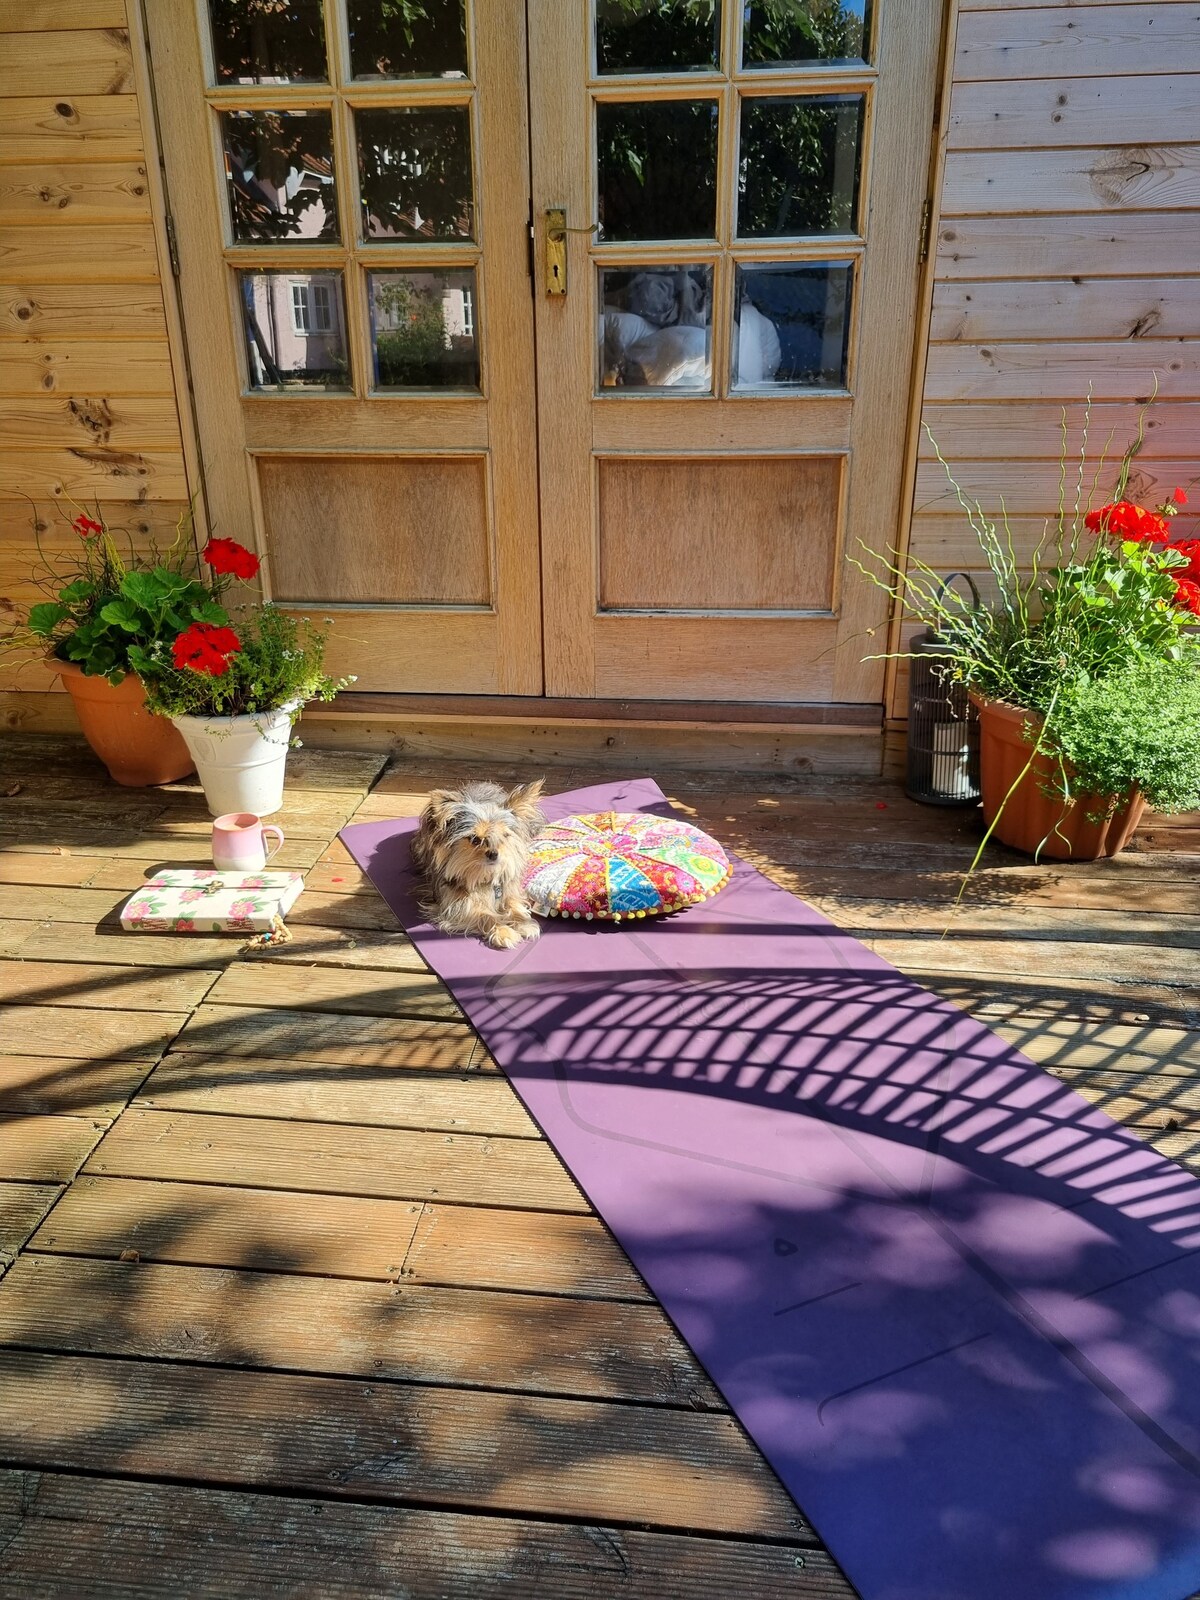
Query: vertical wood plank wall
{"x":1067,"y":255}
{"x":87,"y":394}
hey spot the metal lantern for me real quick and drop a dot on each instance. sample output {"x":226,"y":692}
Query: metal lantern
{"x":943,"y":725}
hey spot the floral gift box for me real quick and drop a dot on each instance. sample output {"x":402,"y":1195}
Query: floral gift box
{"x":207,"y":901}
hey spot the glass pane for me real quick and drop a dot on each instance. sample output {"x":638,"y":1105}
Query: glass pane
{"x":793,"y":33}
{"x":424,"y":330}
{"x":656,"y":328}
{"x":279,"y":171}
{"x":295,"y":330}
{"x":792,"y":325}
{"x":799,"y":165}
{"x":268,"y":41}
{"x":657,"y":169}
{"x":415,"y":172}
{"x":658,"y":35}
{"x":407,"y":38}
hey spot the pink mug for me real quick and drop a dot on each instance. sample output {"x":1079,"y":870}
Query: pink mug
{"x":239,"y":842}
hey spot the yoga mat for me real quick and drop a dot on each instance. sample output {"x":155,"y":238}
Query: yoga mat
{"x":956,"y":1306}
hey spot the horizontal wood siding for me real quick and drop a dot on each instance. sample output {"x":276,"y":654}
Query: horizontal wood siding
{"x":88,"y":404}
{"x":1066,"y":263}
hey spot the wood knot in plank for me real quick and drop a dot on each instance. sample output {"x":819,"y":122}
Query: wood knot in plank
{"x":1116,"y":176}
{"x":94,"y":416}
{"x":116,"y":463}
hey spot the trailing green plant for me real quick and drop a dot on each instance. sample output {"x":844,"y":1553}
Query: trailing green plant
{"x":269,"y":661}
{"x":1135,"y":728}
{"x":107,"y":598}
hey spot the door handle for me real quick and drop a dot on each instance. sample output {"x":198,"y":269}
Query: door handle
{"x":556,"y":247}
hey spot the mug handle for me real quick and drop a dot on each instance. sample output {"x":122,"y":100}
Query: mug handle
{"x":271,"y":828}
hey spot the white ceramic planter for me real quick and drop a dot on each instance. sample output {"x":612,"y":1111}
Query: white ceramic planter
{"x":240,"y":760}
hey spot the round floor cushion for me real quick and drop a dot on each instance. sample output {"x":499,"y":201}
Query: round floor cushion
{"x":614,"y":865}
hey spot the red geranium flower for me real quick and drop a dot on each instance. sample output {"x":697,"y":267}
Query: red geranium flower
{"x":85,"y":527}
{"x":1128,"y":521}
{"x":1187,"y":595}
{"x":1191,"y":549}
{"x":228,"y":556}
{"x":205,"y":648}
{"x":1179,"y":497}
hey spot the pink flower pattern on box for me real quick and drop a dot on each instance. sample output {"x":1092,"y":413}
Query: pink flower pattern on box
{"x":187,"y":900}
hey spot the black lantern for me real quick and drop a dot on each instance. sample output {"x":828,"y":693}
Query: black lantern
{"x":943,"y":725}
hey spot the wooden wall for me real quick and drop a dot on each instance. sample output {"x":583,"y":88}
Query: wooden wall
{"x":1067,"y":257}
{"x":87,"y":386}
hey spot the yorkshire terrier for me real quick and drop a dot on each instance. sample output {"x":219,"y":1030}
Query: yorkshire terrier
{"x":471,"y":847}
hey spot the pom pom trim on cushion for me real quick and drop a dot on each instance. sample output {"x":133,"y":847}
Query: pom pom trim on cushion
{"x":631,"y":916}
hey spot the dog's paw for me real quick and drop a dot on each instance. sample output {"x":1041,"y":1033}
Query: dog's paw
{"x":530,"y":930}
{"x":504,"y":938}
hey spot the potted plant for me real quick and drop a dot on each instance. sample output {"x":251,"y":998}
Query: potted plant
{"x":108,"y":599}
{"x":1085,"y":668}
{"x":234,"y":692}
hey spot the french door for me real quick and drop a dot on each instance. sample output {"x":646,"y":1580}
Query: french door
{"x":557,"y":346}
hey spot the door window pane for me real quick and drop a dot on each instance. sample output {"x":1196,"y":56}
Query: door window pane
{"x":295,"y":328}
{"x":407,"y":38}
{"x":268,"y":41}
{"x":656,"y":328}
{"x":799,"y":166}
{"x":791,"y":325}
{"x":415,"y":173}
{"x":658,"y":35}
{"x":423,"y":330}
{"x":657,"y":169}
{"x":279,"y":174}
{"x":797,"y":33}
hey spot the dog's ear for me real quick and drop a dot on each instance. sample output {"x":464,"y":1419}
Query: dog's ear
{"x":523,"y":803}
{"x":439,"y":810}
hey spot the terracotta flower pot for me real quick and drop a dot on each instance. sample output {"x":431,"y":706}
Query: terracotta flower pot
{"x":137,"y":748}
{"x":1031,"y":820}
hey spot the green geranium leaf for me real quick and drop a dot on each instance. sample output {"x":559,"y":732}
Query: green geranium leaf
{"x":78,"y":589}
{"x":123,"y":614}
{"x":144,"y":588}
{"x":44,"y":618}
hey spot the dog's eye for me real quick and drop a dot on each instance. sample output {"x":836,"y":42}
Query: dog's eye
{"x":478,"y":843}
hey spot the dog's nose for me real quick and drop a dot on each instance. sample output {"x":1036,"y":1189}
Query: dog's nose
{"x":493,"y":855}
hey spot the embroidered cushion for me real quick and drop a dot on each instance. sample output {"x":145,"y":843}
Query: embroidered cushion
{"x":614,"y":865}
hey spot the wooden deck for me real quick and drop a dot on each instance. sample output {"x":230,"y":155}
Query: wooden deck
{"x":297,"y":1301}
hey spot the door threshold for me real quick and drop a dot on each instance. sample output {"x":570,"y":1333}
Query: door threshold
{"x":548,"y":710}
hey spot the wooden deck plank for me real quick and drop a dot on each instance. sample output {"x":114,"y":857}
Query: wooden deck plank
{"x":313,"y":1036}
{"x":110,"y":944}
{"x":588,"y":1459}
{"x":44,"y":870}
{"x":268,"y":1086}
{"x":41,"y":1149}
{"x":22,"y":1207}
{"x":154,"y":844}
{"x":471,"y":1247}
{"x":1026,"y":921}
{"x":67,"y":1085}
{"x":586,"y":1348}
{"x":87,"y":1031}
{"x":1025,"y":958}
{"x":334,"y":990}
{"x":59,"y":1532}
{"x":75,"y":984}
{"x":329,"y":1158}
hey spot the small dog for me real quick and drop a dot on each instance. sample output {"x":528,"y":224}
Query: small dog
{"x":471,"y":846}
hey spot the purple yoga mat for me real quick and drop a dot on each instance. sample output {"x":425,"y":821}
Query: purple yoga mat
{"x":956,"y":1307}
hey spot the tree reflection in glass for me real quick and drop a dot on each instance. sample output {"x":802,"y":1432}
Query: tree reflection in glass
{"x":415,"y":173}
{"x":793,"y":33}
{"x":407,"y":38}
{"x":657,"y":169}
{"x":424,"y":328}
{"x":279,"y":173}
{"x":657,"y":35}
{"x":268,"y":41}
{"x":799,"y":166}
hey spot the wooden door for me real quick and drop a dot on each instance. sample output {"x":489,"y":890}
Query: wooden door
{"x":349,"y":188}
{"x":724,"y":384}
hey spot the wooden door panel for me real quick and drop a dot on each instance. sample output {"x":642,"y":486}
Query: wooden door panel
{"x":400,"y":530}
{"x":717,"y":658}
{"x":730,"y":533}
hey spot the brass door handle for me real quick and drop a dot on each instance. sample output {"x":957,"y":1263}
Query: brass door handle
{"x":556,"y":247}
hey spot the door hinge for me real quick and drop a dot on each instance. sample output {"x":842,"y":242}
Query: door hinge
{"x":172,"y":245}
{"x":926,"y":228}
